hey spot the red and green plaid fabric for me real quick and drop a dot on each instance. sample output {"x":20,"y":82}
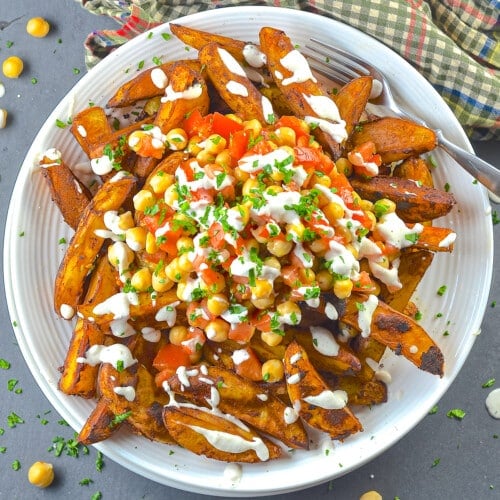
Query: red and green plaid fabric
{"x":453,"y":43}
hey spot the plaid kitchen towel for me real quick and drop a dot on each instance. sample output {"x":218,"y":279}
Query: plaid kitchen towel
{"x":455,"y":44}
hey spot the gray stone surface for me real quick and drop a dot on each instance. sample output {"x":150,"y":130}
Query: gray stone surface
{"x":467,"y":450}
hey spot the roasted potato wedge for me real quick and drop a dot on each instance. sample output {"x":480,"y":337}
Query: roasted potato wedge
{"x":395,"y":138}
{"x":416,"y":169}
{"x":99,"y":424}
{"x":218,"y":438}
{"x":90,"y":127}
{"x":243,"y":399}
{"x":85,"y":244}
{"x":414,"y":202}
{"x":69,"y":194}
{"x":314,"y":401}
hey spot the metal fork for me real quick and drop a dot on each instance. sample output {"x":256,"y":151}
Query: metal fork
{"x":343,"y":67}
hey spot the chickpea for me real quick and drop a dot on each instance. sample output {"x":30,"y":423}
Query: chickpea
{"x":271,"y":339}
{"x":215,"y":144}
{"x":41,"y":474}
{"x":342,"y":288}
{"x":344,"y":166}
{"x":161,"y":181}
{"x":272,"y":370}
{"x":141,"y":279}
{"x":371,"y":495}
{"x":279,"y":248}
{"x":217,"y":304}
{"x":176,"y":139}
{"x":324,"y":279}
{"x":37,"y":27}
{"x":12,"y":67}
{"x":143,"y":199}
{"x":178,"y":334}
{"x":286,"y":136}
{"x":217,"y":330}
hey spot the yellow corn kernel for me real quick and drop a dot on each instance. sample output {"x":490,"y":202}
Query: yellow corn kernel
{"x":204,"y":157}
{"x":141,"y":279}
{"x":271,"y":339}
{"x":41,"y":474}
{"x":160,"y":282}
{"x":254,"y":126}
{"x":214,"y":144}
{"x":135,"y":237}
{"x":171,"y":195}
{"x":161,"y":182}
{"x":273,"y":370}
{"x":262,"y":288}
{"x":342,"y":288}
{"x":176,"y":139}
{"x":344,"y":166}
{"x":151,"y":244}
{"x":143,"y":199}
{"x":177,"y":334}
{"x":286,"y":136}
{"x":12,"y":67}
{"x":37,"y":27}
{"x":217,"y":330}
{"x":126,"y":220}
{"x":307,"y":276}
{"x":279,"y":248}
{"x":223,"y":158}
{"x":324,"y":280}
{"x":250,"y":186}
{"x":333,"y":211}
{"x":217,"y":304}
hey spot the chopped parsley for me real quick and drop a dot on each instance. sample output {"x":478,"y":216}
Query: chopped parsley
{"x":442,"y":290}
{"x":4,"y":364}
{"x":489,"y":383}
{"x":456,"y":413}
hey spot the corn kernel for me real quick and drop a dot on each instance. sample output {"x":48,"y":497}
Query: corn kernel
{"x":342,"y":288}
{"x":126,"y":220}
{"x":171,"y":195}
{"x":135,"y":237}
{"x":173,"y":271}
{"x":250,"y":186}
{"x":273,"y":370}
{"x":184,"y":243}
{"x":12,"y":67}
{"x":223,"y":158}
{"x":272,"y":262}
{"x":193,"y":147}
{"x":263,"y":302}
{"x":184,"y":262}
{"x":151,"y":245}
{"x":239,"y":175}
{"x":37,"y":27}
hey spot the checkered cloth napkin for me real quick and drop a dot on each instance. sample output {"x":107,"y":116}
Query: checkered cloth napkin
{"x":454,"y":44}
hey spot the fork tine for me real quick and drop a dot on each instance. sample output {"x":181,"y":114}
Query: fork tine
{"x":328,"y":70}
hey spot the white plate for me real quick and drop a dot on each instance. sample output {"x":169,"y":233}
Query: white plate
{"x":31,"y":263}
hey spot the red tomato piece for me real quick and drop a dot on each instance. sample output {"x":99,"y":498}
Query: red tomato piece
{"x":224,"y":126}
{"x":300,"y":128}
{"x":216,"y":236}
{"x":238,"y":144}
{"x":241,"y":332}
{"x":196,"y":124}
{"x":171,"y":356}
{"x":251,"y":367}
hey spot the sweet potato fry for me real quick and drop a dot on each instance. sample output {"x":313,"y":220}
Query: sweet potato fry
{"x":185,"y":92}
{"x":398,"y":332}
{"x":66,"y":190}
{"x":99,"y":424}
{"x":235,"y":88}
{"x":416,"y":169}
{"x":243,"y":399}
{"x":436,"y":239}
{"x":85,"y":245}
{"x":80,"y":378}
{"x":147,"y":84}
{"x":414,"y":202}
{"x":215,"y":437}
{"x":394,"y":138}
{"x":351,"y":100}
{"x":90,"y":127}
{"x":300,"y":89}
{"x":318,"y":405}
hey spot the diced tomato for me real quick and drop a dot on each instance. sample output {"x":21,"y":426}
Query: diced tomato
{"x":364,"y":282}
{"x":261,"y":321}
{"x":213,"y":279}
{"x":290,"y":276}
{"x":261,"y":148}
{"x":194,"y":341}
{"x":163,"y":376}
{"x":250,"y":368}
{"x":196,"y":124}
{"x":241,"y":332}
{"x":146,"y":148}
{"x":171,"y":356}
{"x":203,"y":194}
{"x":361,"y":216}
{"x":197,"y":315}
{"x":224,"y":126}
{"x":238,"y":144}
{"x":365,"y":159}
{"x":216,"y":235}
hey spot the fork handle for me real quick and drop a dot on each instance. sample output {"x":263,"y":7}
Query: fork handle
{"x":485,"y":173}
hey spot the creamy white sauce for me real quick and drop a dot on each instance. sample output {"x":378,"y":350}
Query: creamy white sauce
{"x":168,"y":313}
{"x":233,"y":473}
{"x":192,"y":92}
{"x":290,"y":416}
{"x":323,"y":107}
{"x":231,"y":443}
{"x":66,"y":311}
{"x":296,"y":63}
{"x":159,"y":78}
{"x":365,"y":314}
{"x":128,"y":392}
{"x":236,"y":88}
{"x":118,"y":305}
{"x":329,"y":400}
{"x":102,"y":165}
{"x":324,"y":341}
{"x":383,"y":376}
{"x":231,"y":63}
{"x":331,"y":312}
{"x":254,"y":56}
{"x":81,"y":130}
{"x":113,"y":354}
{"x":239,"y":356}
{"x":336,"y":131}
{"x":448,"y":241}
{"x":151,"y":334}
{"x":294,"y":379}
{"x":394,"y":230}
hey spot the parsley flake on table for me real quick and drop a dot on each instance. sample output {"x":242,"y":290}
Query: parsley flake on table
{"x":457,"y":413}
{"x":436,"y":462}
{"x":488,"y":383}
{"x":4,"y":364}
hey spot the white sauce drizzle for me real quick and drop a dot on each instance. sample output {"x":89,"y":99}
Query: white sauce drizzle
{"x":67,"y":312}
{"x":112,"y":354}
{"x":324,"y":341}
{"x":330,"y":400}
{"x":159,"y":78}
{"x":254,"y":56}
{"x":231,"y":63}
{"x":236,"y":88}
{"x":365,"y":314}
{"x":296,"y":63}
{"x":128,"y":392}
{"x":192,"y":92}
